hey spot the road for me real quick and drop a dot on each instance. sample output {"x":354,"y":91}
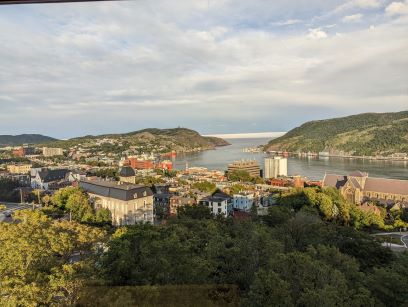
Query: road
{"x":403,"y":237}
{"x":12,"y":207}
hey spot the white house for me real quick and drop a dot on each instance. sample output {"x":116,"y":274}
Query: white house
{"x":48,"y":179}
{"x":219,"y":203}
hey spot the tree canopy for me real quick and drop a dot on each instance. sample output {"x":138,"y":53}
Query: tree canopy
{"x":304,"y":252}
{"x":44,"y":262}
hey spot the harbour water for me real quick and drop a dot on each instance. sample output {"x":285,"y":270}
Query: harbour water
{"x":313,"y":168}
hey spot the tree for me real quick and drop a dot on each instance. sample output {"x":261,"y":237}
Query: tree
{"x":76,"y":202}
{"x":8,"y":190}
{"x":236,"y":188}
{"x":198,"y":212}
{"x":239,"y":175}
{"x":205,"y":186}
{"x":388,"y":284}
{"x":269,"y":289}
{"x":44,"y":261}
{"x":277,"y":215}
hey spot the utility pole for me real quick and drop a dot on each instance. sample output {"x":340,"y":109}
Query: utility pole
{"x":38,"y":196}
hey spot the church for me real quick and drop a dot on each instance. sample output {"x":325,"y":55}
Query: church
{"x":358,"y":187}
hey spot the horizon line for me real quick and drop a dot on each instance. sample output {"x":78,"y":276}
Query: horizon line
{"x":254,"y":135}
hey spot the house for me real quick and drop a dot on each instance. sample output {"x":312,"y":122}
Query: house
{"x":370,"y":208}
{"x":161,"y":188}
{"x":76,"y":176}
{"x":178,"y":201}
{"x":359,"y":187}
{"x":161,"y":204}
{"x":19,"y":168}
{"x":48,"y":179}
{"x":24,"y":180}
{"x":219,"y":203}
{"x":243,"y":202}
{"x":129,"y":204}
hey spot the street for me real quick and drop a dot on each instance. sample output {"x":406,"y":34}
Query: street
{"x":403,"y":237}
{"x":12,"y":207}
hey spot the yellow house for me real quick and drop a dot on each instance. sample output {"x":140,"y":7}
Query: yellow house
{"x":129,"y":204}
{"x":19,"y":168}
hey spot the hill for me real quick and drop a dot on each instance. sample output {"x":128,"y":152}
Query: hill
{"x":363,"y":134}
{"x":14,"y":140}
{"x":161,"y":140}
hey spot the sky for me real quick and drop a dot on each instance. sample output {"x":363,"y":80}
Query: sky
{"x":225,"y":66}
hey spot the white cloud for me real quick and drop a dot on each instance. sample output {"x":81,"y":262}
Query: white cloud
{"x":317,"y":33}
{"x":397,"y":8}
{"x":288,"y":22}
{"x":363,"y":4}
{"x":121,"y":65}
{"x":368,"y":3}
{"x":353,"y":18}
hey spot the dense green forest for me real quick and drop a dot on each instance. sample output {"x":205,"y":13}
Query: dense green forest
{"x":302,"y":253}
{"x":362,"y":134}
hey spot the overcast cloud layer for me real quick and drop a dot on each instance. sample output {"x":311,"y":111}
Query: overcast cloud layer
{"x":220,"y":66}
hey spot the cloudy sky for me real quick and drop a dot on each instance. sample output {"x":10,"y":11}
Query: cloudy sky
{"x":221,"y":66}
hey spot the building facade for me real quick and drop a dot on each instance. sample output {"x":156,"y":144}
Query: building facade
{"x":358,"y":187}
{"x":250,"y":166}
{"x":23,"y":151}
{"x":178,"y":201}
{"x":275,"y":167}
{"x":243,"y":202}
{"x":127,"y":175}
{"x":219,"y":203}
{"x":51,"y":152}
{"x":49,"y":179}
{"x":129,"y":204}
{"x":19,"y":168}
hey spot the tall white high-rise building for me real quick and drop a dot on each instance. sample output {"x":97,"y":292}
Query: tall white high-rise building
{"x":275,"y":166}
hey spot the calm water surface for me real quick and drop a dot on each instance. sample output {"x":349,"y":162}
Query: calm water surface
{"x":311,"y":167}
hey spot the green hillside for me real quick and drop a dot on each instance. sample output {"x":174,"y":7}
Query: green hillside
{"x":14,"y":140}
{"x":178,"y":139}
{"x":362,"y":134}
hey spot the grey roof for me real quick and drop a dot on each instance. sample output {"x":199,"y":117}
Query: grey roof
{"x":332,"y":180}
{"x":220,"y":194}
{"x":372,"y":184}
{"x":383,"y":185}
{"x":214,"y":199}
{"x":355,"y":183}
{"x":115,"y":190}
{"x":358,"y":174}
{"x":49,"y":175}
{"x":127,"y":171}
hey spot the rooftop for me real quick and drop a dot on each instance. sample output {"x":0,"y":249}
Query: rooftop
{"x":244,"y":163}
{"x":114,"y":184}
{"x":127,"y":171}
{"x":115,"y":190}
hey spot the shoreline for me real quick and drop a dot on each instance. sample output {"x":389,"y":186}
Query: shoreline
{"x":305,"y":154}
